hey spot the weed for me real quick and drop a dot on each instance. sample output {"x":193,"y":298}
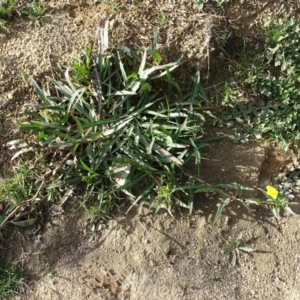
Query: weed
{"x":7,"y":8}
{"x":24,"y":77}
{"x":22,"y":195}
{"x":235,"y":247}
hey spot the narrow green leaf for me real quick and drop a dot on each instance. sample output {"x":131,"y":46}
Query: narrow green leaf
{"x":238,"y":190}
{"x":275,"y":211}
{"x":247,"y":249}
{"x":227,"y":249}
{"x":117,"y":127}
{"x":207,"y":189}
{"x":101,"y":122}
{"x":2,"y":218}
{"x":86,"y":167}
{"x":234,"y":258}
{"x":221,"y":207}
{"x":143,"y":63}
{"x":288,"y":210}
{"x":40,"y":93}
{"x":124,"y":75}
{"x":76,"y":96}
{"x":25,"y":223}
{"x":232,"y":186}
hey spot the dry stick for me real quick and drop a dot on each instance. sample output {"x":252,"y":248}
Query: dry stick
{"x":98,"y":90}
{"x":161,"y":250}
{"x":50,"y":63}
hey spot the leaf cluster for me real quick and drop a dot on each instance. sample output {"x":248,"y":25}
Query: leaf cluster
{"x":235,"y":247}
{"x":274,"y":81}
{"x":34,"y":10}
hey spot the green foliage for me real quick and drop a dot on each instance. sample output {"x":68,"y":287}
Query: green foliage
{"x":235,"y":247}
{"x":6,"y":8}
{"x":10,"y":278}
{"x":274,"y":80}
{"x":34,"y":10}
{"x":122,"y":128}
{"x":282,"y":46}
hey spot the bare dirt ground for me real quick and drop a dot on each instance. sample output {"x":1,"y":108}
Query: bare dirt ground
{"x":141,"y":255}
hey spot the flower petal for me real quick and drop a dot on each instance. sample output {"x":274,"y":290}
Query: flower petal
{"x":272,"y":192}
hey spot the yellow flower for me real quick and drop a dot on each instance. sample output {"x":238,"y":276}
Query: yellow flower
{"x":272,"y":192}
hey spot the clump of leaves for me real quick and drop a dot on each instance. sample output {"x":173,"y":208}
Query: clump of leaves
{"x":7,"y":7}
{"x":282,"y":46}
{"x":121,"y":127}
{"x":274,"y":111}
{"x":34,"y":10}
{"x":235,"y":247}
{"x":10,"y":277}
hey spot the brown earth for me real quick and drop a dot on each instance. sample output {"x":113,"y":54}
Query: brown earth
{"x":141,"y":255}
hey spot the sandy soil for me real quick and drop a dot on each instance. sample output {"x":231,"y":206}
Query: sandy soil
{"x":141,"y":255}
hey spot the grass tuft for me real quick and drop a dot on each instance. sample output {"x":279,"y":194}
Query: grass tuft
{"x":119,"y":127}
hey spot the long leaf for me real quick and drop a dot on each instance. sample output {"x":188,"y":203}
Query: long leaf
{"x":25,"y":223}
{"x":40,"y":93}
{"x":221,"y":207}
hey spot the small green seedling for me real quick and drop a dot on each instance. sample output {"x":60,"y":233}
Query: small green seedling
{"x":235,"y":247}
{"x":52,"y":274}
{"x":214,"y":279}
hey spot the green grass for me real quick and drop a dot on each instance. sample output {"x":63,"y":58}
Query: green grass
{"x":18,"y":190}
{"x":10,"y":278}
{"x":117,"y":130}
